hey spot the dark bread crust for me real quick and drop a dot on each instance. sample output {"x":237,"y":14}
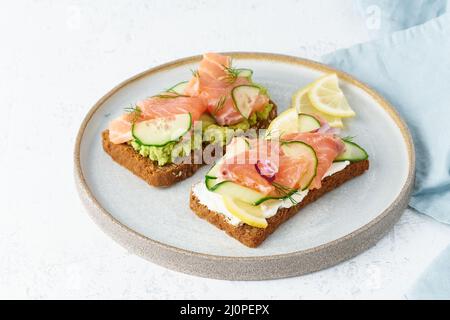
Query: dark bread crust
{"x":150,"y":171}
{"x":252,"y":236}
{"x":143,"y":167}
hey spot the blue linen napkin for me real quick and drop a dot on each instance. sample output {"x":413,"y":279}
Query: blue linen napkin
{"x":411,"y":68}
{"x":434,"y":283}
{"x":386,"y":16}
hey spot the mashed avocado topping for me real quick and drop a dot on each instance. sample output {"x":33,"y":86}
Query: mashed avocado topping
{"x":167,"y":153}
{"x":223,"y":135}
{"x":212,"y":133}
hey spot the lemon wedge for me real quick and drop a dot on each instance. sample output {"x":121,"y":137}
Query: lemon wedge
{"x":285,"y":122}
{"x":247,"y":213}
{"x":326,"y":96}
{"x":301,"y":103}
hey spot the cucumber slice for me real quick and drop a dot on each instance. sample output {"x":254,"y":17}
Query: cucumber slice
{"x":178,"y":88}
{"x":274,"y":198}
{"x":243,"y":96}
{"x":159,"y":132}
{"x":211,"y":182}
{"x":307,"y":123}
{"x":245,"y":194}
{"x":297,"y":149}
{"x":245,"y":73}
{"x":352,"y":153}
{"x":234,"y":190}
{"x":212,"y":173}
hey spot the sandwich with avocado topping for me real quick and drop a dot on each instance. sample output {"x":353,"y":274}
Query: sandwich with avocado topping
{"x":157,"y":139}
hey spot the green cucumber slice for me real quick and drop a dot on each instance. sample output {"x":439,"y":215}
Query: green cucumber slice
{"x":245,"y":73}
{"x":234,"y":190}
{"x":211,"y":182}
{"x":245,"y":194}
{"x":296,"y":149}
{"x":178,"y":88}
{"x":260,"y":201}
{"x":243,"y":96}
{"x":159,"y":132}
{"x":212,"y":173}
{"x":307,"y":123}
{"x":352,"y":153}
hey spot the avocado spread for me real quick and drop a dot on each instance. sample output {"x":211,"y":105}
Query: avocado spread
{"x":223,"y":134}
{"x":165,"y":154}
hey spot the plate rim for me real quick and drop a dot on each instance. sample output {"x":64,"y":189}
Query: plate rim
{"x":94,"y":207}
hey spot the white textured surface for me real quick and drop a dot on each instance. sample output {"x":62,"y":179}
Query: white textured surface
{"x":59,"y":57}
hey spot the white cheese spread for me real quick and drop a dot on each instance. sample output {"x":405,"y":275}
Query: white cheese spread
{"x":215,"y":203}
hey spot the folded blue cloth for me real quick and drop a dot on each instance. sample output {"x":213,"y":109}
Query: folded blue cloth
{"x":411,"y":68}
{"x":434,"y":283}
{"x":386,"y":16}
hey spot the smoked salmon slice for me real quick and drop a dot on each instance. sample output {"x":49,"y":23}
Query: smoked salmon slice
{"x":247,"y":168}
{"x":168,"y":105}
{"x":120,"y":128}
{"x":210,"y":89}
{"x":162,"y":106}
{"x":247,"y":176}
{"x":290,"y":172}
{"x":214,"y":83}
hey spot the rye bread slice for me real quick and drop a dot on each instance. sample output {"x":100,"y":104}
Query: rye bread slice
{"x":252,"y":236}
{"x":150,"y":171}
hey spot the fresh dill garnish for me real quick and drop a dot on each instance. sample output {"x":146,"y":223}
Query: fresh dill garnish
{"x":231,"y":74}
{"x":135,"y":110}
{"x":169,"y":95}
{"x":220,"y":104}
{"x":132,"y":109}
{"x":348,"y":138}
{"x":285,"y":192}
{"x":171,"y":91}
{"x":195,"y":73}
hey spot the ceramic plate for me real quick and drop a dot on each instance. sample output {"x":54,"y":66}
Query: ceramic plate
{"x":157,"y":223}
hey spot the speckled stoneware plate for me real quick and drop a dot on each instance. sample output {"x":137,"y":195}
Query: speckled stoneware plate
{"x":158,"y":225}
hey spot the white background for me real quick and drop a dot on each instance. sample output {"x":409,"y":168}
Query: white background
{"x":57,"y":58}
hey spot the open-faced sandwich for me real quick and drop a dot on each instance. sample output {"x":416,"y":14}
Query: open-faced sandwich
{"x":153,"y":136}
{"x":260,"y":183}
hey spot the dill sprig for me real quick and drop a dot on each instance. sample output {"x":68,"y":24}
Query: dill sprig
{"x":135,"y":110}
{"x":172,"y":92}
{"x":220,"y":104}
{"x":285,"y":192}
{"x":169,"y":95}
{"x":348,"y":138}
{"x":231,"y":74}
{"x":195,"y":73}
{"x":132,"y":109}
